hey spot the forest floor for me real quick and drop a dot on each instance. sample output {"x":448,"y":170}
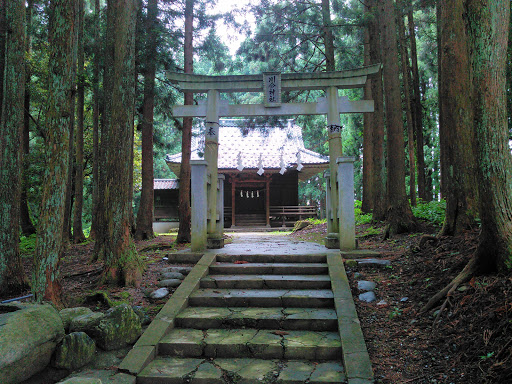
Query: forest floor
{"x":470,"y":341}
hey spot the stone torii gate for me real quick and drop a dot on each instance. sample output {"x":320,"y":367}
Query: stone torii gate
{"x":207,"y":198}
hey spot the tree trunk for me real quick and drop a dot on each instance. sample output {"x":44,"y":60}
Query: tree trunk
{"x":407,"y":104}
{"x":328,"y":37}
{"x":3,"y":32}
{"x":379,"y":166}
{"x":399,"y":215}
{"x":46,"y":277}
{"x":184,"y":192}
{"x":367,"y":201}
{"x":455,"y":118}
{"x":145,"y":212}
{"x":95,"y":120}
{"x":78,"y":233}
{"x":487,"y":23}
{"x":121,"y":261}
{"x":27,"y":227}
{"x":417,"y":110}
{"x":12,"y":276}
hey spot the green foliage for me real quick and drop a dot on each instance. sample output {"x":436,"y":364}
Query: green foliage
{"x":361,"y":218}
{"x":28,"y":245}
{"x":394,"y":313}
{"x":432,"y":211}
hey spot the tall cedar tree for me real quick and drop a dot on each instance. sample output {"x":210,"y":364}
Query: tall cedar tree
{"x":487,"y":23}
{"x":456,"y":114}
{"x":145,"y":212}
{"x":3,"y":34}
{"x":12,"y":276}
{"x":487,"y":26}
{"x":367,"y":199}
{"x":121,"y":261}
{"x":399,"y":214}
{"x":184,"y":192}
{"x":27,"y":227}
{"x":379,"y":166}
{"x":417,"y":110}
{"x":61,"y":72}
{"x":78,"y":233}
{"x":406,"y":82}
{"x":95,"y":121}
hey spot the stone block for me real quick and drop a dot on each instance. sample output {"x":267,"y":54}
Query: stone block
{"x":75,"y":350}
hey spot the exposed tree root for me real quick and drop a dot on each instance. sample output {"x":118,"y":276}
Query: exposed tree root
{"x":447,"y":291}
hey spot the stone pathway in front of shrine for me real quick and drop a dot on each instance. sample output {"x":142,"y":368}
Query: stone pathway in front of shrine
{"x":264,"y":309}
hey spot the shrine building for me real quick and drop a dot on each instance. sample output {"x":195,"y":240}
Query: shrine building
{"x":262,"y":166}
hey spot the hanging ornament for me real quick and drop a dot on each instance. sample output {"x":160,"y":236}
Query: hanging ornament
{"x":247,"y":194}
{"x":260,"y":166}
{"x":240,"y":166}
{"x":299,"y":162}
{"x":241,"y":193}
{"x":252,"y":194}
{"x":257,"y":193}
{"x":282,"y":165}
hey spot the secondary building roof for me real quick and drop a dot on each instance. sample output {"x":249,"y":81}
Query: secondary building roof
{"x":260,"y":149}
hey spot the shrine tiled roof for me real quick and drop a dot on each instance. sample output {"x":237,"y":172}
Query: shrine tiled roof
{"x":264,"y":147}
{"x":166,"y":184}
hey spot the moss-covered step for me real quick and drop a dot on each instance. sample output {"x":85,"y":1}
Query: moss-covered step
{"x":172,"y":370}
{"x":254,"y":343}
{"x":300,"y":298}
{"x":267,"y":281}
{"x":219,"y":268}
{"x":314,"y":319}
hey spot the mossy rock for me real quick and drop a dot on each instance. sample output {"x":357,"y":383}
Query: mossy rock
{"x":120,"y":327}
{"x":301,"y":224}
{"x":99,"y":298}
{"x":76,"y":350}
{"x":68,"y":314}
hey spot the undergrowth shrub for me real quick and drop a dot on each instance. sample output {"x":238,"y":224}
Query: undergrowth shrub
{"x":361,"y":218}
{"x":432,"y":211}
{"x":27,"y":245}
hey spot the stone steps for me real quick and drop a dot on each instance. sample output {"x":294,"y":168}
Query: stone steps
{"x":252,"y":343}
{"x":298,"y":298}
{"x":267,"y":281}
{"x":254,"y":319}
{"x":173,"y":370}
{"x":220,"y":268}
{"x":315,"y":319}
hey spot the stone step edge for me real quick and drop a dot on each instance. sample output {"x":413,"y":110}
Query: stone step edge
{"x":356,"y":359}
{"x":145,"y":349}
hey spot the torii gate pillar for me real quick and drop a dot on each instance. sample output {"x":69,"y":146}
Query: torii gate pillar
{"x":335,"y":150}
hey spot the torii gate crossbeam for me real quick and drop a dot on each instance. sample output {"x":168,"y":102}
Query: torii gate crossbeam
{"x":209,"y":229}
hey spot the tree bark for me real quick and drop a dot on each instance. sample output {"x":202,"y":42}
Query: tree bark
{"x":399,"y":215}
{"x":145,"y":212}
{"x":122,"y":264}
{"x":406,"y":80}
{"x":417,"y":110}
{"x":379,"y":165}
{"x":3,"y":32}
{"x":46,"y":277}
{"x":487,"y":22}
{"x":27,"y":227}
{"x":78,"y":233}
{"x":367,"y":201}
{"x":95,"y":121}
{"x":12,"y":275}
{"x":184,"y":191}
{"x":455,"y":118}
{"x":328,"y":37}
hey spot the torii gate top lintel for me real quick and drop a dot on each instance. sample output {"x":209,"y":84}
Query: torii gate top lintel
{"x":353,"y":78}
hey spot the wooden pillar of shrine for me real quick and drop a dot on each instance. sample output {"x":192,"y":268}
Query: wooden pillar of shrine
{"x":233,"y":197}
{"x":267,"y":200}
